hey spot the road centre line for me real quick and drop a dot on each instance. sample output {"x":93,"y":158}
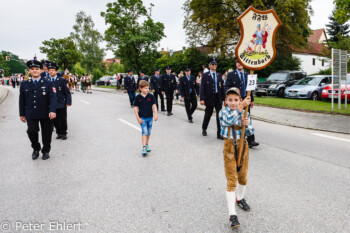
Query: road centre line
{"x":331,"y":137}
{"x":85,"y":102}
{"x":129,"y":124}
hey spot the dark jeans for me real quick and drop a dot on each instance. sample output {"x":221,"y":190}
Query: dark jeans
{"x":191,"y":105}
{"x":60,"y":121}
{"x":132,"y":95}
{"x":169,"y":100}
{"x":209,"y":111}
{"x":156,"y":94}
{"x":46,"y":133}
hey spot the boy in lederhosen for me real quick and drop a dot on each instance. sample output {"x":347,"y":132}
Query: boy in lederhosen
{"x":231,"y":129}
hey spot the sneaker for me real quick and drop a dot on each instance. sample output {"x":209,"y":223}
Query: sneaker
{"x":148,"y":149}
{"x":243,"y":204}
{"x":234,"y":221}
{"x":144,"y":151}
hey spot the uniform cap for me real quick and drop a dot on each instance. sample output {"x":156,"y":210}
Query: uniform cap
{"x":34,"y":63}
{"x":168,"y":68}
{"x":213,"y":61}
{"x":188,"y":69}
{"x":52,"y":65}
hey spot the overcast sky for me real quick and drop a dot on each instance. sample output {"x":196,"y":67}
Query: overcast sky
{"x":25,"y":24}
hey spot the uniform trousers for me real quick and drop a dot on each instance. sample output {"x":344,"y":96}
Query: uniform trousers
{"x":60,"y":121}
{"x":132,"y":95}
{"x":161,"y":96}
{"x":191,"y":105}
{"x":169,"y":101}
{"x":46,"y":133}
{"x":209,"y":111}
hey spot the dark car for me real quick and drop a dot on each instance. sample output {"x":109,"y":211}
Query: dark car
{"x":104,"y":81}
{"x":308,"y":88}
{"x":277,"y":82}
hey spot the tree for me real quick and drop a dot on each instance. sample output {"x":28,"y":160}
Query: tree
{"x":342,"y":13}
{"x":63,"y":51}
{"x":16,"y":65}
{"x":77,"y":69}
{"x":4,"y":65}
{"x":88,"y":39}
{"x":334,"y":28}
{"x":214,"y":23}
{"x":132,"y":35}
{"x":115,"y":68}
{"x":96,"y":74}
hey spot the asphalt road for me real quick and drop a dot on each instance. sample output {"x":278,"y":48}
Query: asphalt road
{"x":298,"y":181}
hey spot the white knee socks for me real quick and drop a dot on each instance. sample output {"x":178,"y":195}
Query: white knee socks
{"x":231,"y":203}
{"x":240,"y":191}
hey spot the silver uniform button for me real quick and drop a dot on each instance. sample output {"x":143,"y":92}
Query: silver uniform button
{"x":34,"y":101}
{"x":34,"y":96}
{"x":34,"y":106}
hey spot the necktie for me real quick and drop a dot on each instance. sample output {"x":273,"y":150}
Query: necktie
{"x":35,"y":82}
{"x":243,"y":84}
{"x":189,"y":81}
{"x":216,"y":85}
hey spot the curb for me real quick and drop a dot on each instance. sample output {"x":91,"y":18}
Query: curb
{"x":258,"y":118}
{"x":4,"y":96}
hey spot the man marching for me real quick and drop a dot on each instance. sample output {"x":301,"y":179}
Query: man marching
{"x":168,"y":86}
{"x":188,"y":93}
{"x":64,"y":99}
{"x":156,"y":89}
{"x":37,"y":103}
{"x":45,"y":73}
{"x":142,"y":77}
{"x":238,"y":78}
{"x":212,"y":95}
{"x":130,"y":87}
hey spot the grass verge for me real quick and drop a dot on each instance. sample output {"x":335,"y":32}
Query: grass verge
{"x":304,"y":105}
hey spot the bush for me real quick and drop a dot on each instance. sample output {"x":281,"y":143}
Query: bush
{"x":325,"y":71}
{"x":96,"y":74}
{"x":77,"y":69}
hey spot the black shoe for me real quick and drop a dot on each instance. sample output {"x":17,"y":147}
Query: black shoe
{"x":163,"y":110}
{"x":64,"y":137}
{"x":168,"y":114}
{"x":35,"y":154}
{"x":255,"y":143}
{"x":220,"y":137}
{"x":171,"y":113}
{"x":46,"y":156}
{"x":234,"y":221}
{"x":243,"y":204}
{"x":190,"y":121}
{"x":59,"y":136}
{"x":204,"y":132}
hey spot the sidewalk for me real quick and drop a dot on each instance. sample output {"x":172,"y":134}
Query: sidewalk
{"x":3,"y":93}
{"x":293,"y":118}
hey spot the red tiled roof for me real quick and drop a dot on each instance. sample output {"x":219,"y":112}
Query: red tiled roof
{"x":313,"y":46}
{"x":111,"y":60}
{"x":316,"y":35}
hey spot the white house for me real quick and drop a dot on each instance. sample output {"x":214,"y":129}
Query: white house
{"x":313,"y":56}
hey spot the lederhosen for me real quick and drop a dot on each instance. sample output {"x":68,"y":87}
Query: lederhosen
{"x":83,"y":81}
{"x":71,"y":82}
{"x":231,"y":148}
{"x":88,"y":82}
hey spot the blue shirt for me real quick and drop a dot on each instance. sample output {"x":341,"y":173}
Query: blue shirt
{"x":37,"y":80}
{"x":229,"y":117}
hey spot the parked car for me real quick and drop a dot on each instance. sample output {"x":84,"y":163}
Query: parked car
{"x":277,"y":82}
{"x":104,"y":81}
{"x":308,"y":88}
{"x":327,"y":91}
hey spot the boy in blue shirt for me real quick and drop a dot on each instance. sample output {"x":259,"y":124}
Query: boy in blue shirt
{"x":231,"y":129}
{"x":145,"y":109}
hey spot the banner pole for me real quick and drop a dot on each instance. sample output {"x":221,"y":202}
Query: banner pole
{"x":241,"y":143}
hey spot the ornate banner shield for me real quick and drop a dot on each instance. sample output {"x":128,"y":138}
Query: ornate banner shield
{"x":256,"y":47}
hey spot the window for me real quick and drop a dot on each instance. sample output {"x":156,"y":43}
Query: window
{"x":313,"y":61}
{"x":322,"y":62}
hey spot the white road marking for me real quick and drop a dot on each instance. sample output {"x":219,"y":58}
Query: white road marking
{"x":129,"y":124}
{"x":85,"y":102}
{"x":331,"y":137}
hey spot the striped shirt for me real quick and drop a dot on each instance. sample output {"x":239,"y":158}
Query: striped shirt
{"x":230,"y":117}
